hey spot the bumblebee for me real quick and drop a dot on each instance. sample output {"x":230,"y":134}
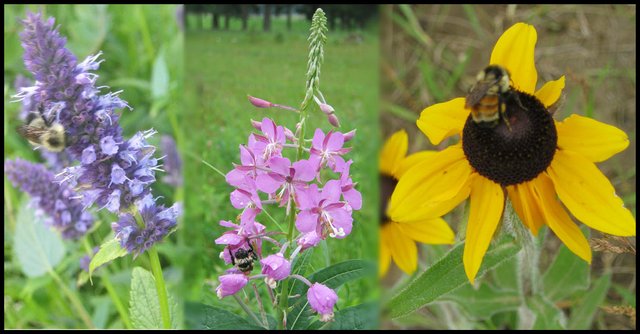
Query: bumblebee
{"x":488,"y":97}
{"x":41,"y":132}
{"x":243,"y":259}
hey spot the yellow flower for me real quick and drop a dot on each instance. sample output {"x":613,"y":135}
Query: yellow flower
{"x":398,"y":237}
{"x":538,"y":163}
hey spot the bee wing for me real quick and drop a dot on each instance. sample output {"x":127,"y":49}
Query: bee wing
{"x":477,"y":92}
{"x":31,"y":133}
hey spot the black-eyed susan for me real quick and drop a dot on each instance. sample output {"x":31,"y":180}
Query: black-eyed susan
{"x":398,"y":237}
{"x":537,"y":162}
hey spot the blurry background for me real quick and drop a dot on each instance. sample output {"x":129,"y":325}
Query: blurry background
{"x":142,"y":47}
{"x":225,"y":62}
{"x":431,"y":54}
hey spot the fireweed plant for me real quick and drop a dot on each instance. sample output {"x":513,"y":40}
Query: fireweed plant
{"x":112,"y":172}
{"x":314,"y":189}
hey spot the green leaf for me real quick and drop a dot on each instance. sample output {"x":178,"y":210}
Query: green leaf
{"x":38,"y":248}
{"x":363,"y":316}
{"x":88,"y":29}
{"x":485,"y":301}
{"x":333,"y":277}
{"x":108,"y":252}
{"x":584,"y":311}
{"x":506,"y":275}
{"x":445,"y":276}
{"x":568,"y":273}
{"x":159,"y":78}
{"x":548,"y":316}
{"x":144,"y":303}
{"x":201,"y":316}
{"x":627,"y":296}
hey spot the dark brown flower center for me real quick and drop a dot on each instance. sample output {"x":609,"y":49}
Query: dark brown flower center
{"x":516,"y":153}
{"x":387,"y":186}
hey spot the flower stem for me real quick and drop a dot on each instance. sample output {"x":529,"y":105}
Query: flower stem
{"x":263,"y":314}
{"x":75,"y":301}
{"x":247,"y":310}
{"x":160,"y":286}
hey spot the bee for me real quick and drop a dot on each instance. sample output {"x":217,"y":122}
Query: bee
{"x":42,"y":132}
{"x":488,"y":97}
{"x":243,"y":259}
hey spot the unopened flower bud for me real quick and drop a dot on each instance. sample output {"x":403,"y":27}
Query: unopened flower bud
{"x":327,"y":109}
{"x":230,"y":284}
{"x":289,"y":135}
{"x":349,"y":135}
{"x":260,"y":103}
{"x":333,"y":119}
{"x":257,"y":125}
{"x":322,"y":299}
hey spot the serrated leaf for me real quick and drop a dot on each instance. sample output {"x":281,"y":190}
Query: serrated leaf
{"x":363,"y":316}
{"x":567,"y":274}
{"x":445,"y":276}
{"x":144,"y":303}
{"x":548,"y":316}
{"x":584,"y":311}
{"x":38,"y":248}
{"x":485,"y":301}
{"x":108,"y":252}
{"x":201,"y":316}
{"x":159,"y":78}
{"x":333,"y":277}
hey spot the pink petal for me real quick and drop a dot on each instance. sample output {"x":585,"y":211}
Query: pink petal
{"x":354,"y":198}
{"x":308,"y":198}
{"x":335,"y":141}
{"x":305,"y":170}
{"x":318,"y":138}
{"x":306,"y":221}
{"x":280,"y":165}
{"x":269,"y":182}
{"x":332,"y":191}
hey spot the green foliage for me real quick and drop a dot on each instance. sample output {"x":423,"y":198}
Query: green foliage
{"x":583,"y":313}
{"x":363,"y":316}
{"x":144,"y":305}
{"x":108,"y":252}
{"x":201,"y":316}
{"x":567,"y":274}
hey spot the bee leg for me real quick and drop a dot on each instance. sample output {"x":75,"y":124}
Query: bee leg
{"x":233,"y":261}
{"x":502,"y":109}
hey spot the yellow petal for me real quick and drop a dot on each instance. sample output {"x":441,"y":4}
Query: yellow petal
{"x":487,"y":204}
{"x":550,"y":92}
{"x":416,"y":210}
{"x":393,"y":152}
{"x":514,"y":51}
{"x":589,"y":195}
{"x":403,"y":250}
{"x":594,"y":140}
{"x":526,"y":203}
{"x":443,"y":120}
{"x":435,"y":179}
{"x":412,"y":160}
{"x":428,"y":231}
{"x":558,"y":219}
{"x":384,"y":256}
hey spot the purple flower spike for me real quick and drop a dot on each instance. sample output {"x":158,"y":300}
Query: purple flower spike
{"x":57,"y":201}
{"x":276,"y":267}
{"x":327,"y":150}
{"x":322,"y":299}
{"x":230,"y":284}
{"x":323,"y":212}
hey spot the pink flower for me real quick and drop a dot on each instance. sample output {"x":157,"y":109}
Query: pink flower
{"x":271,"y":142}
{"x":290,"y":179}
{"x":246,"y":197}
{"x":349,"y":192}
{"x":250,"y":166}
{"x":230,"y":284}
{"x":323,"y":212}
{"x":308,"y":240}
{"x":276,"y":267}
{"x":239,"y":237}
{"x":322,"y":299}
{"x":327,"y":150}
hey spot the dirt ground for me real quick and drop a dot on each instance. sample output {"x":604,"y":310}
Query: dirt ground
{"x":594,"y":46}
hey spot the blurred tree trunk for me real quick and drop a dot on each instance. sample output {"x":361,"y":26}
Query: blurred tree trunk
{"x":245,"y":16}
{"x":266,"y":24}
{"x":215,"y":21}
{"x":226,"y":21}
{"x":289,"y":10}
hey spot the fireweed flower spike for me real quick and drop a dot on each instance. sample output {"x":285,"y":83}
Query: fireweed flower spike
{"x":399,"y":233}
{"x":531,"y":163}
{"x":58,"y":202}
{"x":114,"y":173}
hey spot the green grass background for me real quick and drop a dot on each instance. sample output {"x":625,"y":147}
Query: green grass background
{"x":222,"y":68}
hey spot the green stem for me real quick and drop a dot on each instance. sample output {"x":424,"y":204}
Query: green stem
{"x":106,"y":281}
{"x":75,"y":301}
{"x":160,"y":286}
{"x":248,"y":311}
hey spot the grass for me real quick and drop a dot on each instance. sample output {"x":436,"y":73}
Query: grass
{"x":222,"y":68}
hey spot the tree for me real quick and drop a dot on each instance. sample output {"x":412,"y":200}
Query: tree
{"x":266,"y":24}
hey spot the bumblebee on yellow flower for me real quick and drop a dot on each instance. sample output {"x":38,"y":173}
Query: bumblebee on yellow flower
{"x":398,"y":237}
{"x":545,"y":167}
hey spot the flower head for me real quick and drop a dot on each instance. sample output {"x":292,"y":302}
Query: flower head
{"x":323,"y":212}
{"x":276,"y":267}
{"x":57,"y":202}
{"x":526,"y":156}
{"x":230,"y":284}
{"x":322,"y":299}
{"x":327,"y":150}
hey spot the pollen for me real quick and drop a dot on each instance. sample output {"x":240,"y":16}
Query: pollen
{"x":514,"y":153}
